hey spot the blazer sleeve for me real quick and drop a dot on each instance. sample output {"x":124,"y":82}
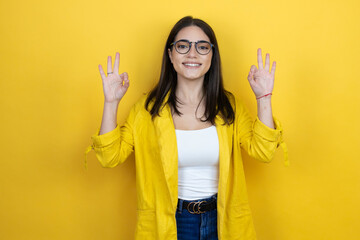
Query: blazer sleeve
{"x":257,"y":139}
{"x":114,"y":147}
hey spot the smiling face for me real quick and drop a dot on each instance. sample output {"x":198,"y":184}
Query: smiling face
{"x":192,"y":65}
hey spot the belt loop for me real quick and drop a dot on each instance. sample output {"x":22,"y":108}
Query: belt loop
{"x":180,"y":205}
{"x":214,"y":196}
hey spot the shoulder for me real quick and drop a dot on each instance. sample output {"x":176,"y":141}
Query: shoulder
{"x":237,"y":104}
{"x":231,"y":97}
{"x":234,"y":100}
{"x":138,"y":110}
{"x":140,"y":104}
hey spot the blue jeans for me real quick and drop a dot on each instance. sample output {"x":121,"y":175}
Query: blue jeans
{"x":196,"y":226}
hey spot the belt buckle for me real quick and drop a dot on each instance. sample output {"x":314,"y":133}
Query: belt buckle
{"x":193,"y":208}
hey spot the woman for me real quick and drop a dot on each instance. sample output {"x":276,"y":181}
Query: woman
{"x":186,"y":135}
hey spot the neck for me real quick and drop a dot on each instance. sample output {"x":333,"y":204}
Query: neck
{"x":189,"y":91}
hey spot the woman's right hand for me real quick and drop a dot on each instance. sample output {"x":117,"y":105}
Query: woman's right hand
{"x":114,"y":85}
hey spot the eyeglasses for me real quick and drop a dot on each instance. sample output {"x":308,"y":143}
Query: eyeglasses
{"x":183,"y":46}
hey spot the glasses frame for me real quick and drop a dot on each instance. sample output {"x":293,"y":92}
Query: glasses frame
{"x":190,"y":44}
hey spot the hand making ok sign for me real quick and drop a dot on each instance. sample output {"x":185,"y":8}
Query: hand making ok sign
{"x":260,"y":79}
{"x":114,"y":85}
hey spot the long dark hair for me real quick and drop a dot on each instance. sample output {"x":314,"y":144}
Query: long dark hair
{"x":216,"y":97}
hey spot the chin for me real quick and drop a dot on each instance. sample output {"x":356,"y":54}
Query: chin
{"x":193,"y":78}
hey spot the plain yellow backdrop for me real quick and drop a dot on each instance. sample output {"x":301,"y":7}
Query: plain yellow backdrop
{"x":51,"y":103}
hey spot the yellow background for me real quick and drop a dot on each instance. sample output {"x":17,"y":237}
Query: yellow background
{"x":51,"y":103}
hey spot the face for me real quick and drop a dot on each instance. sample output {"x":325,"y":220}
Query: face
{"x":192,"y":65}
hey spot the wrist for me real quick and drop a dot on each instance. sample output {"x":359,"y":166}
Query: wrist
{"x":268,"y":95}
{"x":111,"y":106}
{"x":111,"y":103}
{"x":264,"y":101}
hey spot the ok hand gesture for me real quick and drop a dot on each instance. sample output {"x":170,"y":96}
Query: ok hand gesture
{"x":114,"y":85}
{"x":261,"y":80}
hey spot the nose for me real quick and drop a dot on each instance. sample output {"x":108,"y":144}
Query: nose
{"x":192,"y":53}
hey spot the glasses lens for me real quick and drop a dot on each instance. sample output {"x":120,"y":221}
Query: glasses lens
{"x":203,"y":47}
{"x":182,"y":47}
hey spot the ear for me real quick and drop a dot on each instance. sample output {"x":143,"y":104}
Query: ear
{"x":170,"y":56}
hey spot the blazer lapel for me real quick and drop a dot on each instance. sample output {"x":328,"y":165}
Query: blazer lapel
{"x":225,"y":144}
{"x":165,"y":131}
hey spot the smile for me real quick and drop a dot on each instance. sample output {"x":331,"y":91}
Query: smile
{"x":192,"y":64}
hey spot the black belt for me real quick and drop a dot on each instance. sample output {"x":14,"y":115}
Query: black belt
{"x":197,"y":207}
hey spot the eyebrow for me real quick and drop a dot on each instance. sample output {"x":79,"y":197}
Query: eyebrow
{"x":190,"y":41}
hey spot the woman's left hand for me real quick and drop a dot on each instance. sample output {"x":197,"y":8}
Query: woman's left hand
{"x":261,"y":80}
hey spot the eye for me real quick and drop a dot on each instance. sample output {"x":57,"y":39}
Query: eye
{"x":182,"y":46}
{"x":202,"y":47}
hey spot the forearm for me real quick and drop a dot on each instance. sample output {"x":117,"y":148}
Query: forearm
{"x":109,"y":118}
{"x":264,"y":111}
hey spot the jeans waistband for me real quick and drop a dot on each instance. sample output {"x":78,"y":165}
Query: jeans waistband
{"x":182,"y":201}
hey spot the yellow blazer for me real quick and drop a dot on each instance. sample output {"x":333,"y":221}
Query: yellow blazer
{"x":156,"y":157}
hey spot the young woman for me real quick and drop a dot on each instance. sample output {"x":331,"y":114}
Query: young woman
{"x":186,"y":135}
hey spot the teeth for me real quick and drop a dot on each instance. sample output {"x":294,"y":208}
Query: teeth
{"x":192,"y":64}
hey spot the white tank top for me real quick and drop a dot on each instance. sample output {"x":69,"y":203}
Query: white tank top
{"x":198,"y":163}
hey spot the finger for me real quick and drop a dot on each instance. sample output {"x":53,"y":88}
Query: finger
{"x":109,"y":65}
{"x":267,"y":62}
{"x":251,"y":79}
{"x":273,"y":67}
{"x":102,"y":74}
{"x":117,"y":63}
{"x":253,"y":69}
{"x":126,"y":80}
{"x":122,"y":78}
{"x":259,"y":58}
{"x":250,"y":76}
